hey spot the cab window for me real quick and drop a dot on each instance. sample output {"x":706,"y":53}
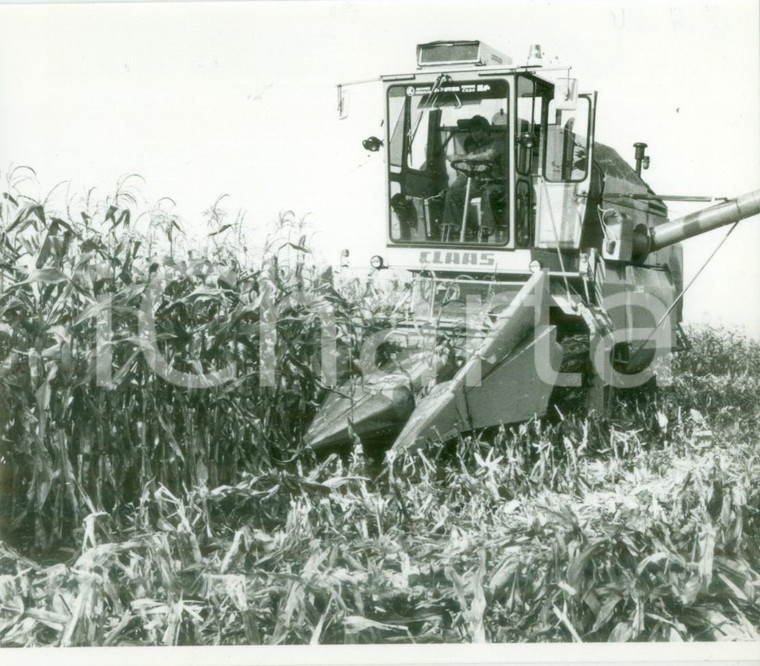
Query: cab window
{"x":448,"y":161}
{"x":567,"y":136}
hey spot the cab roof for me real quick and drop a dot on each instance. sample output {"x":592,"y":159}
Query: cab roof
{"x":465,"y":56}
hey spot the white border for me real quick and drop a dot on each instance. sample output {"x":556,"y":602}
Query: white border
{"x":508,"y":653}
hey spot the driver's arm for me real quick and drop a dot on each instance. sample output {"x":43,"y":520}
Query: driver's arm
{"x":488,"y":153}
{"x":482,"y":154}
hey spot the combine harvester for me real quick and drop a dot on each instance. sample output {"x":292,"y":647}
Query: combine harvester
{"x":524,"y":236}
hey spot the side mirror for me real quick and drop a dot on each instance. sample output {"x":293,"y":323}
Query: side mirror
{"x":566,"y":94}
{"x":525,"y":143}
{"x":372,"y":144}
{"x":342,"y":103}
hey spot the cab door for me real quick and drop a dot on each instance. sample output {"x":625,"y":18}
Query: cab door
{"x":563,"y":183}
{"x":532,"y":102}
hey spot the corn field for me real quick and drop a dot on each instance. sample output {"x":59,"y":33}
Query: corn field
{"x":135,"y":511}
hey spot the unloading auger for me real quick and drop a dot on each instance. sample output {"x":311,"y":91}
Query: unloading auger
{"x":524,"y":236}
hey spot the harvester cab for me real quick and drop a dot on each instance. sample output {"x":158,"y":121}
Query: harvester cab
{"x":540,"y":257}
{"x":485,"y":162}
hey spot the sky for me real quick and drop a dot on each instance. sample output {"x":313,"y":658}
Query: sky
{"x":206,"y":99}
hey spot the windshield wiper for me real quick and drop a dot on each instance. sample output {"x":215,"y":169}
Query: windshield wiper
{"x":432,"y":100}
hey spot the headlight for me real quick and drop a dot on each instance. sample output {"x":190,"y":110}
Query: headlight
{"x":377,"y":262}
{"x":535,"y":266}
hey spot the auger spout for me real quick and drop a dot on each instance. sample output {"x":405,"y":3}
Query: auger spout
{"x":702,"y":221}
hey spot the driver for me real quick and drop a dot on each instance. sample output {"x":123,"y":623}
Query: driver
{"x":491,"y":151}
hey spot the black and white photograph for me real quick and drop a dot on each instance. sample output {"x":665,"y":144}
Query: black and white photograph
{"x":380,"y":332}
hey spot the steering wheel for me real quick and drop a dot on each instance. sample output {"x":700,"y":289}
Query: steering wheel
{"x":472,"y":168}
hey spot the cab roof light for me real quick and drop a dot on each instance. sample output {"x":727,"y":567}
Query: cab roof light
{"x":471,"y":52}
